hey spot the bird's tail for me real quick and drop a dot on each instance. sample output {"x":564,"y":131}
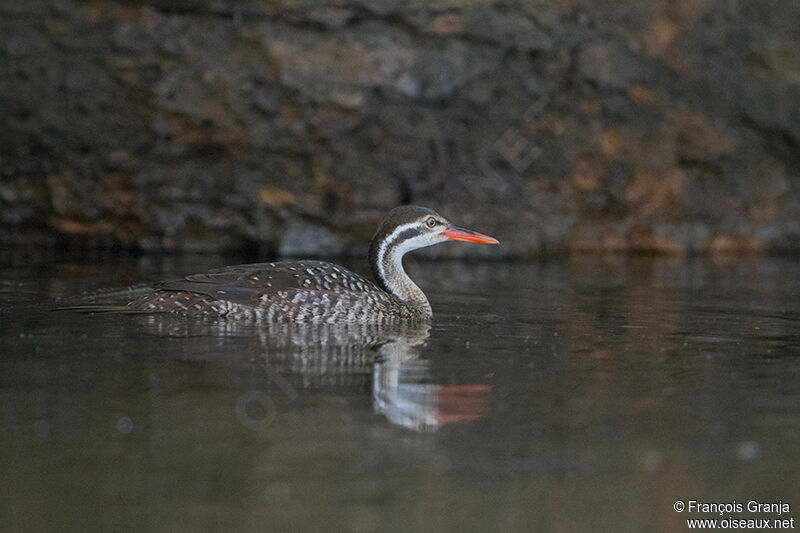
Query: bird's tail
{"x":83,"y":305}
{"x":95,"y":309}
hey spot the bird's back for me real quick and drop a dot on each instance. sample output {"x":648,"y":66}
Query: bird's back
{"x":297,"y":291}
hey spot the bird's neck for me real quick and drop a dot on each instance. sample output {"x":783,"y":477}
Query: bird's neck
{"x":386,"y":260}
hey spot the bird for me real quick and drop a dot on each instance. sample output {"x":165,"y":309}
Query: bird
{"x":315,"y":291}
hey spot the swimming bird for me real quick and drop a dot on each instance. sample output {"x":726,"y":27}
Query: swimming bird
{"x":317,"y":291}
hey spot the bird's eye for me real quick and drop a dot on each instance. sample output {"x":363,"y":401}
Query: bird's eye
{"x":431,"y":222}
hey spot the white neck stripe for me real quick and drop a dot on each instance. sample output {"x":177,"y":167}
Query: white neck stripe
{"x":382,"y":251}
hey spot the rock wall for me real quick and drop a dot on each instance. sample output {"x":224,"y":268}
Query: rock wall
{"x":291,"y":126}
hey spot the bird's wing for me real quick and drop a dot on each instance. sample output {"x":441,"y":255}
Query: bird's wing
{"x":246,"y":284}
{"x":243,"y":284}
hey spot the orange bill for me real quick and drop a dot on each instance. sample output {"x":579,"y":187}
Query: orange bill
{"x":454,"y":233}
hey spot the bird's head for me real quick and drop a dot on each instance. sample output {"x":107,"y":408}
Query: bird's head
{"x":411,"y":227}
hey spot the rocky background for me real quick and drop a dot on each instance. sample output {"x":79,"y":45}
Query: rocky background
{"x":291,"y":126}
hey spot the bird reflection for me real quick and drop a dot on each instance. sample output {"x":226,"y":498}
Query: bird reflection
{"x":328,"y":356}
{"x":402,"y":390}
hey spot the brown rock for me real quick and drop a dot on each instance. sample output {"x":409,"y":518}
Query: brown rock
{"x":659,"y":126}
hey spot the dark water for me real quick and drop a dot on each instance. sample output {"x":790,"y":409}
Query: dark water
{"x":577,"y":395}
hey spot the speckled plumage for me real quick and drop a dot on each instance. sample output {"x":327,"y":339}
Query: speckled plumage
{"x":301,"y":291}
{"x":316,"y":291}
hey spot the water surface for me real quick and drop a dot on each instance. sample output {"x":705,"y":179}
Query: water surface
{"x":582,"y":394}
